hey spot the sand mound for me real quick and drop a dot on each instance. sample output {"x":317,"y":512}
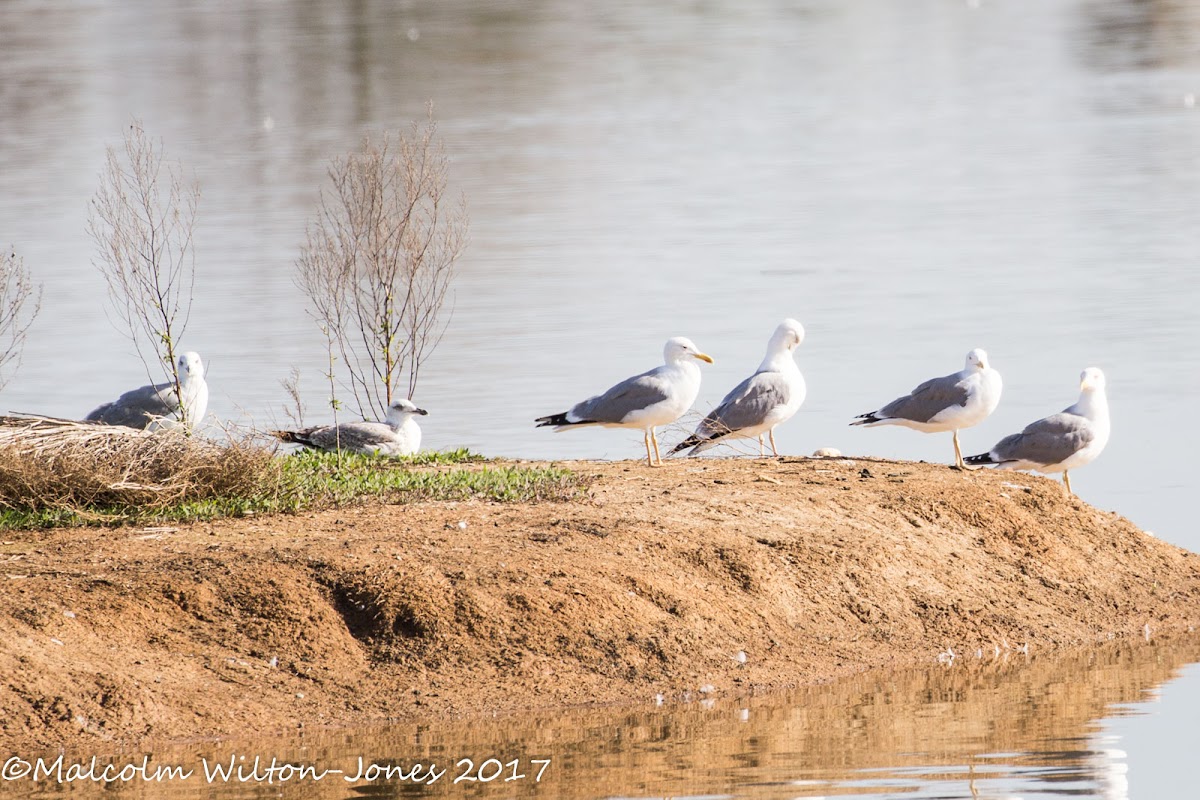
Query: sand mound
{"x":731,"y":575}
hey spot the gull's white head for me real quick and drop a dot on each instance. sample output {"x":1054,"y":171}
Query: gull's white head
{"x":788,"y":335}
{"x":190,"y":366}
{"x":1092,"y":380}
{"x":977,"y":359}
{"x":404,"y":408}
{"x":681,"y":348}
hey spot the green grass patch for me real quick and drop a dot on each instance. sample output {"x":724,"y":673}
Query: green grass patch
{"x":428,"y":458}
{"x":304,"y":481}
{"x":315,"y":479}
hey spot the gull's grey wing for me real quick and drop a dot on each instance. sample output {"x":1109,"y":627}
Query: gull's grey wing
{"x":137,"y":408}
{"x":354,"y":436}
{"x":1048,"y":441}
{"x":747,"y":404}
{"x":928,"y":400}
{"x":631,"y":394}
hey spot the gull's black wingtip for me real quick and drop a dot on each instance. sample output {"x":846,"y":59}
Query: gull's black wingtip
{"x":982,"y":458}
{"x":552,"y":420}
{"x":691,"y":441}
{"x":294,"y":437}
{"x":865,"y":419}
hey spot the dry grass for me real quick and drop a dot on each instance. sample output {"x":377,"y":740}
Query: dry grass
{"x":96,"y":472}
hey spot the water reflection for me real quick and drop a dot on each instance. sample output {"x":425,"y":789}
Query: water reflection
{"x":983,"y":728}
{"x":1140,"y":35}
{"x":910,"y":180}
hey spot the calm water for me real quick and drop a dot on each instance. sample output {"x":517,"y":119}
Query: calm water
{"x":1073,"y":726}
{"x":908,"y":179}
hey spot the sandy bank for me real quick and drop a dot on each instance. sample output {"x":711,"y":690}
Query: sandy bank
{"x":662,"y":581}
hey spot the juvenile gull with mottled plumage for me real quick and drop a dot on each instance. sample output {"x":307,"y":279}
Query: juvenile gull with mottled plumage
{"x":158,"y":404}
{"x":399,"y":436}
{"x":949,"y":403}
{"x":656,"y":397}
{"x":1060,"y":442}
{"x":772,"y":395}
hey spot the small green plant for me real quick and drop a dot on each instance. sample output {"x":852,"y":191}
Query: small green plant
{"x":443,"y":457}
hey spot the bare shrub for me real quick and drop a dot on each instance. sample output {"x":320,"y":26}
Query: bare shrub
{"x":48,"y":463}
{"x":379,"y":259}
{"x":20,"y":301}
{"x":142,"y":219}
{"x":295,"y":410}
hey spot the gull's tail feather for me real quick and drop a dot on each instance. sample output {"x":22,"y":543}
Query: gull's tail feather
{"x":690,"y":441}
{"x":294,"y":437}
{"x":560,"y":421}
{"x":97,"y":414}
{"x":698,"y":443}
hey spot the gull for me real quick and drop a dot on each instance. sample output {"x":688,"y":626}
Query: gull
{"x":1060,"y":442}
{"x":657,"y":397}
{"x":770,"y":396}
{"x":158,"y":405}
{"x":948,"y":403}
{"x":399,"y":436}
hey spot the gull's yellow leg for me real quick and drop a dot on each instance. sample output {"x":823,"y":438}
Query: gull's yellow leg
{"x":771,"y":433}
{"x":958,"y":459}
{"x":646,"y":441}
{"x":1067,"y":481}
{"x":762,"y":451}
{"x":657,"y":457}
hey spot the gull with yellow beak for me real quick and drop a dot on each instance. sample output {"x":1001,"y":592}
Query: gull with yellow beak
{"x":949,"y":403}
{"x":657,"y":397}
{"x":1060,"y":442}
